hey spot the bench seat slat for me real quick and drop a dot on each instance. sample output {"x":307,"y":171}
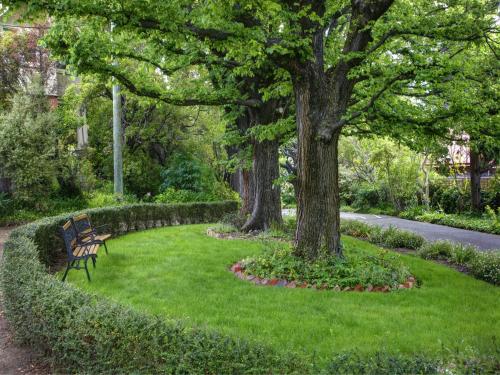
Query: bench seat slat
{"x":80,"y":250}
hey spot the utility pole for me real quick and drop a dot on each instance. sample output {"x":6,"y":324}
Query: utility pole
{"x":117,"y":138}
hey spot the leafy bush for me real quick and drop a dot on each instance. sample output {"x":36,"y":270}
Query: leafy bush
{"x":27,"y":145}
{"x":486,"y":266}
{"x":486,"y":223}
{"x":6,"y":205}
{"x":494,"y":216}
{"x":450,"y":361}
{"x":436,"y":250}
{"x":366,"y":196}
{"x":182,"y":196}
{"x":99,"y":198}
{"x":141,"y":173}
{"x":382,"y":363}
{"x":483,"y":265}
{"x":390,"y":237}
{"x":356,"y":228}
{"x":397,"y":238}
{"x":278,"y":261}
{"x":186,"y":173}
{"x":450,"y":199}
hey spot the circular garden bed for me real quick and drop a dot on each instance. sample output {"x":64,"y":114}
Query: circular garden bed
{"x":356,"y":271}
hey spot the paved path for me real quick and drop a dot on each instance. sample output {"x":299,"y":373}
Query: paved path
{"x":14,"y":359}
{"x":431,"y":232}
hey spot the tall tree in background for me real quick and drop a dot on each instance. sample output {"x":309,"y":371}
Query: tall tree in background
{"x":163,"y":53}
{"x":341,"y":58}
{"x":461,"y":106}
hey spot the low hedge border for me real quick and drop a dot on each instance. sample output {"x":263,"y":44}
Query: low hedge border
{"x":78,"y":332}
{"x":483,"y":265}
{"x":480,"y":224}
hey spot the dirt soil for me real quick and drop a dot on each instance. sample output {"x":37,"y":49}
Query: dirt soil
{"x":15,"y":359}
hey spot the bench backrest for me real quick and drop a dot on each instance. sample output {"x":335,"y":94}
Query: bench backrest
{"x":82,"y":224}
{"x":68,"y":233}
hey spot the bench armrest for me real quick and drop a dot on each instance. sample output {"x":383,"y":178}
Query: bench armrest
{"x":99,"y":228}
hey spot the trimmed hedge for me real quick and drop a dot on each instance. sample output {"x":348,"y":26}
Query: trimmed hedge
{"x":123,"y":219}
{"x":80,"y":332}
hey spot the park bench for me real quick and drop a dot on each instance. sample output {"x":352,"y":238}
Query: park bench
{"x":86,"y":232}
{"x":76,"y":250}
{"x":82,"y":242}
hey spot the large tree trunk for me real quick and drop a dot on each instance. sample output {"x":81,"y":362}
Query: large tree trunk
{"x":247,"y":191}
{"x":265,"y":168}
{"x":475,"y":180}
{"x":318,"y":206}
{"x":267,"y":202}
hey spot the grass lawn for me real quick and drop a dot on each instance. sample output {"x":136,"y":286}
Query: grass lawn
{"x":179,"y":272}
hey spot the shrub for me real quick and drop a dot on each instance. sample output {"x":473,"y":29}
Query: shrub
{"x":27,"y":145}
{"x":6,"y":204}
{"x":397,"y":238}
{"x":436,"y":250}
{"x":450,"y":199}
{"x":187,"y":173}
{"x":482,"y":265}
{"x":486,"y":223}
{"x":356,"y":228}
{"x":456,"y":361}
{"x":382,"y":363}
{"x":486,"y":266}
{"x":494,"y":216}
{"x":182,"y":196}
{"x":98,"y":199}
{"x":366,"y":196}
{"x":463,"y":254}
{"x":391,"y":237}
{"x":278,"y":261}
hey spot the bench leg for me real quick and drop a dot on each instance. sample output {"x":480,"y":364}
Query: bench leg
{"x":86,"y":268}
{"x":105,"y":247}
{"x":66,"y":272}
{"x":93,"y":261}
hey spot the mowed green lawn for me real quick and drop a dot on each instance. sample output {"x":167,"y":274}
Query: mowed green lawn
{"x":179,"y":272}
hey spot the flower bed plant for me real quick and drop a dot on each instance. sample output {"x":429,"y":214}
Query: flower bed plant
{"x":355,"y":271}
{"x":482,"y":265}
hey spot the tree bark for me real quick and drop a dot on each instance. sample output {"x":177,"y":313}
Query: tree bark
{"x":475,"y":180}
{"x":318,"y":206}
{"x":267,"y":196}
{"x":247,"y":191}
{"x":265,"y":168}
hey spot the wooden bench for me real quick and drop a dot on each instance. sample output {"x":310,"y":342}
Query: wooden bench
{"x":86,"y":232}
{"x":76,"y":250}
{"x":82,"y":241}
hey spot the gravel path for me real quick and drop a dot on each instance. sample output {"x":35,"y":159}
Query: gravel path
{"x":14,"y":359}
{"x":431,"y":232}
